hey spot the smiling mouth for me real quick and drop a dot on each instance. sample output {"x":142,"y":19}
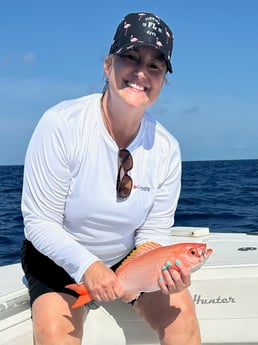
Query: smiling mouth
{"x":135,"y":86}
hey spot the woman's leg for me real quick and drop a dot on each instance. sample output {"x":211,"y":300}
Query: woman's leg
{"x":173,"y":317}
{"x":54,"y":322}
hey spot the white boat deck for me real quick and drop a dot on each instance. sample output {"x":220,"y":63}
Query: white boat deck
{"x":224,"y":290}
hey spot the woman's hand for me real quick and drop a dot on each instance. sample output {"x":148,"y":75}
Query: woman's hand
{"x":174,"y":280}
{"x":102,"y":282}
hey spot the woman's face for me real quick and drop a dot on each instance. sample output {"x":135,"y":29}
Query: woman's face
{"x":136,"y":76}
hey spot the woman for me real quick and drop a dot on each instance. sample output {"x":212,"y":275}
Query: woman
{"x":101,"y":177}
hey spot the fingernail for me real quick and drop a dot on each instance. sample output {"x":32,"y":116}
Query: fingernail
{"x":164,"y":268}
{"x":178,"y":262}
{"x":160,"y":278}
{"x":168,"y":263}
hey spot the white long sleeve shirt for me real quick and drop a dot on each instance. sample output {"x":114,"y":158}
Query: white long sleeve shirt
{"x":69,"y":204}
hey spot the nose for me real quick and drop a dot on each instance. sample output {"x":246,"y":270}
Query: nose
{"x":140,"y":70}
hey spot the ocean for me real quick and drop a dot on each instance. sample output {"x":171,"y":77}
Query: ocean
{"x":221,"y":195}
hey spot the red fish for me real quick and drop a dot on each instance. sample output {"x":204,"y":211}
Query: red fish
{"x":140,"y":271}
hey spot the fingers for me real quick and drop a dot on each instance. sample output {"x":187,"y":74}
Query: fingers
{"x":174,"y":279}
{"x":106,"y":294}
{"x":102,"y":282}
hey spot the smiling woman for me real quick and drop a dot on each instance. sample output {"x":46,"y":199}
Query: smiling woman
{"x":135,"y":81}
{"x":102,"y":177}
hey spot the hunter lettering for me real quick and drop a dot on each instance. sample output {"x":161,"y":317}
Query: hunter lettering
{"x":198,"y":299}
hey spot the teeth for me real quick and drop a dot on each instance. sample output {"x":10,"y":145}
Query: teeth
{"x":135,"y":86}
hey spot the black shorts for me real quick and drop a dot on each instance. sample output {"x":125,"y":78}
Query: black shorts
{"x":43,"y":275}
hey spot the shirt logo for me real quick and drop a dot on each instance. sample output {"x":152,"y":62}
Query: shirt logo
{"x":141,"y":188}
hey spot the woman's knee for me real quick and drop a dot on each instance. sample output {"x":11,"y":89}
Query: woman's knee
{"x":172,"y":317}
{"x":57,"y":332}
{"x":56,"y":324}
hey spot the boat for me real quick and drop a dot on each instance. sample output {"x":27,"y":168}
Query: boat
{"x":224,"y":291}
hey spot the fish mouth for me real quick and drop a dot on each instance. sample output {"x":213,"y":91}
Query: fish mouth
{"x":204,"y":255}
{"x":207,"y":253}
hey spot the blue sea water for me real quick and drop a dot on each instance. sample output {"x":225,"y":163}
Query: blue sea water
{"x":221,"y":195}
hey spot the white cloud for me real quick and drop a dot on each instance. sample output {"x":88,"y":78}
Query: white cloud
{"x":28,"y":57}
{"x":11,"y":59}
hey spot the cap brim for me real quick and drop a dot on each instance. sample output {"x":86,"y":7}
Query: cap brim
{"x":132,"y":45}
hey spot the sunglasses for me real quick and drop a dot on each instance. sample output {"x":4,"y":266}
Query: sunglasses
{"x":124,"y":182}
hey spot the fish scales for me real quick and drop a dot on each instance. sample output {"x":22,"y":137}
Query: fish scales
{"x":140,"y":271}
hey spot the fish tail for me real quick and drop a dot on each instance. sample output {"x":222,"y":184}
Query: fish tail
{"x":84,"y":295}
{"x":81,"y":300}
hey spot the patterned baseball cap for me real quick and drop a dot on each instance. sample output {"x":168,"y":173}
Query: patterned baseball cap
{"x":143,"y":29}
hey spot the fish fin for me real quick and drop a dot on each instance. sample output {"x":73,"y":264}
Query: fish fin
{"x":78,"y":288}
{"x":139,"y":251}
{"x":146,"y":247}
{"x":81,"y":300}
{"x":131,"y":297}
{"x":84,"y":295}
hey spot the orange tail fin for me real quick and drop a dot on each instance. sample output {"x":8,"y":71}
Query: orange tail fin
{"x":85,"y":296}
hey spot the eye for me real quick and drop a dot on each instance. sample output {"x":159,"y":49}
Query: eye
{"x":157,"y":66}
{"x":193,"y":251}
{"x":154,"y":66}
{"x":130,"y":57}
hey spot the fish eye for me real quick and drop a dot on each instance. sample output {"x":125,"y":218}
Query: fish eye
{"x":193,"y":251}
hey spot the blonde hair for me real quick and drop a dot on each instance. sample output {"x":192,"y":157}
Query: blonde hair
{"x":107,"y":60}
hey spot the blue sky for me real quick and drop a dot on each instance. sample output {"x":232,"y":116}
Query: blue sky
{"x":53,"y":50}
